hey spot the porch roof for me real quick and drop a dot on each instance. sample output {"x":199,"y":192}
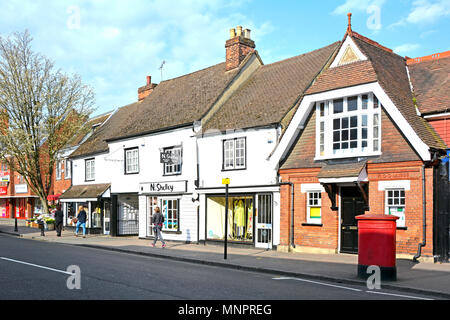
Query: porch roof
{"x":342,"y":170}
{"x":85,"y":191}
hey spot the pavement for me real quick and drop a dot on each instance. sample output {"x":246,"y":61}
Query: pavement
{"x":421,"y":278}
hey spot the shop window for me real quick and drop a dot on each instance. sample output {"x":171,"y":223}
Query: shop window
{"x":240,"y":218}
{"x":314,"y":207}
{"x":395,"y":205}
{"x":131,"y":161}
{"x":173,"y":168}
{"x":170,"y":209}
{"x":68,"y":169}
{"x":90,"y":169}
{"x":234,"y":154}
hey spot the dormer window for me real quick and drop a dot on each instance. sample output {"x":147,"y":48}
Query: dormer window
{"x":348,"y":127}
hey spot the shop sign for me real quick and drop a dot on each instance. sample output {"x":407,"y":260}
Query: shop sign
{"x":4,"y":176}
{"x":169,"y":157}
{"x":21,"y":188}
{"x":164,"y":187}
{"x":3,"y":191}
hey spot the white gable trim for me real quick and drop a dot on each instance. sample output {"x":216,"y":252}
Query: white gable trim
{"x":348,"y":42}
{"x":298,"y":121}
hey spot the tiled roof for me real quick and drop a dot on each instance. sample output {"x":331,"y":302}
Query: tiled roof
{"x":271,"y":92}
{"x":174,"y":102}
{"x":88,"y":126}
{"x":393,"y":77}
{"x":341,"y":170}
{"x":85,"y":191}
{"x":179,"y":101}
{"x":431,"y":84}
{"x":348,"y":75}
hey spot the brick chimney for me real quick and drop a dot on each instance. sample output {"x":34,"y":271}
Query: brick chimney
{"x":238,"y":47}
{"x":146,"y":90}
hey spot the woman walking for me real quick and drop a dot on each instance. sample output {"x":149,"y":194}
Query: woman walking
{"x":158,"y":220}
{"x":81,"y":221}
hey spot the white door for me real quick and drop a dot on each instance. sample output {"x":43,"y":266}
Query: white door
{"x":263,"y":221}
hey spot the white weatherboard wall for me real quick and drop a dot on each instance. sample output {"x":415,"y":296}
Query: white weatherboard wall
{"x":259,"y":176}
{"x":151,"y":170}
{"x":102,"y":170}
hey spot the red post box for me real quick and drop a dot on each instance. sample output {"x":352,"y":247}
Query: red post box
{"x":377,"y":244}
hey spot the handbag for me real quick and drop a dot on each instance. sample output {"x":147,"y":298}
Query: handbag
{"x":74,"y":220}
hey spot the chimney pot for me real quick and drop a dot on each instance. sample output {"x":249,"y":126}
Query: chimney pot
{"x":232,"y":33}
{"x":149,"y":80}
{"x":247,"y":33}
{"x":239,"y":31}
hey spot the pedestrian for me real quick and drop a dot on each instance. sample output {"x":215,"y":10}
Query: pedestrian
{"x":41,"y":223}
{"x":81,"y":221}
{"x":58,"y":220}
{"x":158,"y":220}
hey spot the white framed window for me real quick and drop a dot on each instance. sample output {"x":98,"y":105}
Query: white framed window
{"x":170,"y":208}
{"x":89,"y":169}
{"x":314,"y":207}
{"x":348,"y":127}
{"x":67,"y":169}
{"x":58,"y":169}
{"x":132,"y":160}
{"x":395,"y":204}
{"x":234,"y":154}
{"x":173,"y":168}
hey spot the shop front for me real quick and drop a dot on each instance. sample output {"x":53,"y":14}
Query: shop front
{"x":95,"y":201}
{"x":178,"y":207}
{"x":251,"y":218}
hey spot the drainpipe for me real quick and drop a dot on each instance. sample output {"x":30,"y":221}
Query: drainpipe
{"x":292,"y":212}
{"x":424,"y":215}
{"x":424,"y":211}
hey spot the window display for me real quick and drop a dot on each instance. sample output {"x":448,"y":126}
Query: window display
{"x":240,"y":218}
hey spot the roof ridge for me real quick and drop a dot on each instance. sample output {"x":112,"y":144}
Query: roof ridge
{"x":193,"y":72}
{"x":302,"y":54}
{"x":431,"y":57}
{"x":371,"y":42}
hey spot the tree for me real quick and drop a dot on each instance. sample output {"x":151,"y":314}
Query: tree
{"x":41,"y":109}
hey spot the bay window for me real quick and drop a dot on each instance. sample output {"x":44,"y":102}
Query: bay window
{"x":348,"y":127}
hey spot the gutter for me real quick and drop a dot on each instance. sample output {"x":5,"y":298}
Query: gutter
{"x":291,"y":242}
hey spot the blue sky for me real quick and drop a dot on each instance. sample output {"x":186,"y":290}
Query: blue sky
{"x":115,"y":44}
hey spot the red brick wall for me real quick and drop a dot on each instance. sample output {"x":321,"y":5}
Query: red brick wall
{"x":442,"y":127}
{"x":326,"y":236}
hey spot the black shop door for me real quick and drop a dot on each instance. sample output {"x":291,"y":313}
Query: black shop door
{"x":352,"y":205}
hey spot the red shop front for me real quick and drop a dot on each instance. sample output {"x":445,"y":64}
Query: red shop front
{"x":4,"y":203}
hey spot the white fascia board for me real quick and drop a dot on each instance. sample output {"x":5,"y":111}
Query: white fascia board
{"x":308,"y":102}
{"x":348,"y":42}
{"x":394,"y":184}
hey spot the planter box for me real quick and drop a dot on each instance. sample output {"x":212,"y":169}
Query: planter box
{"x":50,"y":227}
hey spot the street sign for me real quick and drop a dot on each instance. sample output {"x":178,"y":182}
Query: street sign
{"x":170,"y":157}
{"x":226,"y":181}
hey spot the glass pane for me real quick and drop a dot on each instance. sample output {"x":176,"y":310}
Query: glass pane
{"x":353,"y":144}
{"x":336,"y":124}
{"x":336,"y":136}
{"x":336,"y":146}
{"x":364,"y":120}
{"x":353,"y":122}
{"x":338,"y":105}
{"x":344,"y":123}
{"x":365,"y":100}
{"x":364,"y":133}
{"x":344,"y":134}
{"x":353,"y":134}
{"x":375,"y":101}
{"x":345,"y":145}
{"x":352,"y":103}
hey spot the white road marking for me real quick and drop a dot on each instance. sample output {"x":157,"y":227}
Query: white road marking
{"x":315,"y":282}
{"x":398,"y":295}
{"x":347,"y":288}
{"x":35,"y":265}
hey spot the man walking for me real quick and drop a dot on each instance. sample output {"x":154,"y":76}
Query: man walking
{"x":58,"y":220}
{"x":158,"y":220}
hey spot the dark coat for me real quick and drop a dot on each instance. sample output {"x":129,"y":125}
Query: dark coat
{"x":58,"y":216}
{"x":82,"y":216}
{"x":158,"y":219}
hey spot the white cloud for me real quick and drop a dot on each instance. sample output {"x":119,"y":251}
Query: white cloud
{"x":119,"y":43}
{"x":356,"y":5}
{"x":425,"y":12}
{"x":406,"y":49}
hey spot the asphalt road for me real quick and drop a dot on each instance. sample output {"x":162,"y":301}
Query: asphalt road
{"x":38,"y":270}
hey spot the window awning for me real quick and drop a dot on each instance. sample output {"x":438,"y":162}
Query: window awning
{"x":343,"y":173}
{"x":91,"y":191}
{"x":53,"y":197}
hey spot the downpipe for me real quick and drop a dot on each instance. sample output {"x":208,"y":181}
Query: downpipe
{"x":424,"y":216}
{"x":434,"y":161}
{"x":292,"y":243}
